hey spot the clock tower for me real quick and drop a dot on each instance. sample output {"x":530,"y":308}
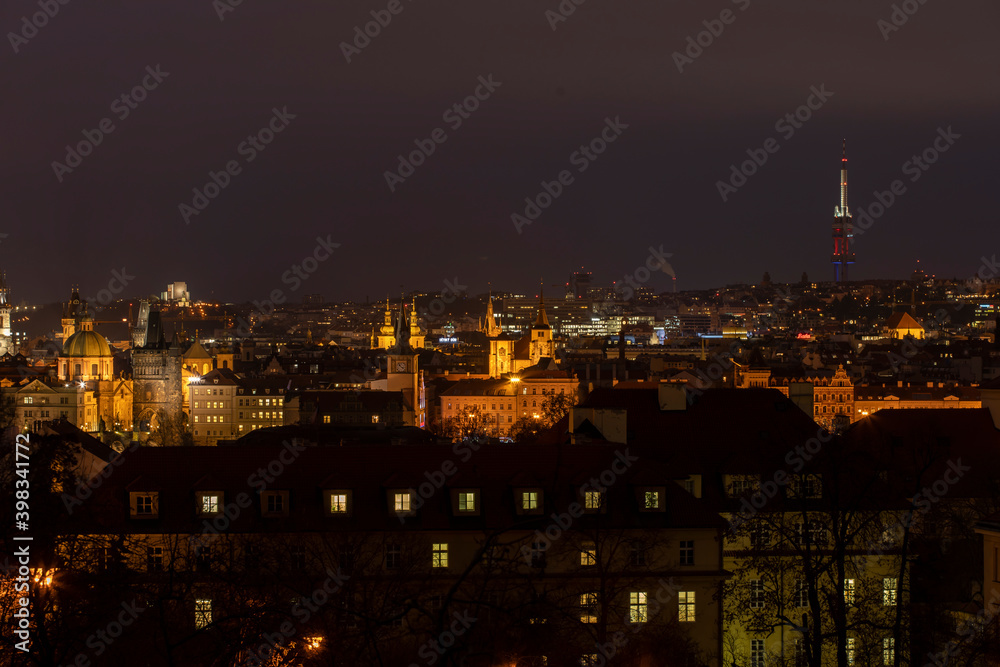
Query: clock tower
{"x":402,"y":374}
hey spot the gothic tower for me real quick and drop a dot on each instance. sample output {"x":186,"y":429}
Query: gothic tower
{"x":157,"y":386}
{"x":542,"y":345}
{"x":501,"y":347}
{"x":402,"y":373}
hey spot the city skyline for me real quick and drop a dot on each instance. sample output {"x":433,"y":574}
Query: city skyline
{"x":313,"y":127}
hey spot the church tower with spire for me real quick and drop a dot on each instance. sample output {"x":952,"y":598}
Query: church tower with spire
{"x":387,"y":334}
{"x":402,"y":372}
{"x":501,"y":346}
{"x":542,"y":344}
{"x":6,"y":338}
{"x":416,"y":335}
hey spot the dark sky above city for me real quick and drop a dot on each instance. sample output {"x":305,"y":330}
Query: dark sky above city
{"x":323,"y":174}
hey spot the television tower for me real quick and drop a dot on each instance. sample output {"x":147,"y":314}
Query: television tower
{"x":843,"y":228}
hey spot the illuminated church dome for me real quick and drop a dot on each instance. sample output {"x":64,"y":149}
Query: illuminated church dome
{"x":86,"y":344}
{"x":86,"y":355}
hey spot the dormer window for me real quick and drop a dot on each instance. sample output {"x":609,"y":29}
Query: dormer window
{"x":528,"y":500}
{"x":401,"y":502}
{"x":274,"y":503}
{"x":209,"y":503}
{"x":466,"y":501}
{"x":651,"y":498}
{"x":144,"y":504}
{"x":338,"y":502}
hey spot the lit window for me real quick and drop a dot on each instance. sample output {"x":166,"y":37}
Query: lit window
{"x":439,"y":555}
{"x":401,"y":502}
{"x":848,"y":591}
{"x":588,"y":554}
{"x":202,"y":613}
{"x":651,"y":500}
{"x":588,"y":608}
{"x":888,"y":650}
{"x":338,"y":503}
{"x":685,"y":607}
{"x":850,"y":650}
{"x":889,"y":588}
{"x":593,"y":499}
{"x":467,"y":501}
{"x":209,"y":504}
{"x":529,"y":500}
{"x":637,"y":609}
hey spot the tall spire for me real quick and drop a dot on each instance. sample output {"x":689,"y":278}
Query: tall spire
{"x":843,"y":212}
{"x":491,"y":328}
{"x":843,"y":228}
{"x":543,"y":320}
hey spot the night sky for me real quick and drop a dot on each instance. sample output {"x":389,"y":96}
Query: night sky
{"x":324,"y":174}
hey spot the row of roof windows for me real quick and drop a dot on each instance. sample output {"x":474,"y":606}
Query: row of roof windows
{"x":401,"y":502}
